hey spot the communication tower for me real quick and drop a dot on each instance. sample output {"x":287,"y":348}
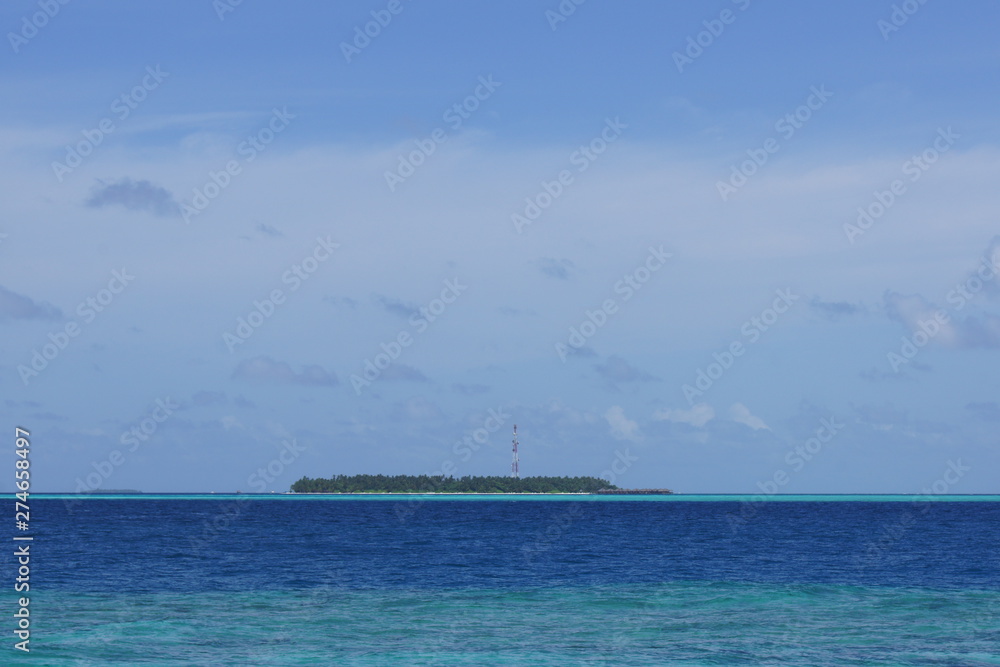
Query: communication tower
{"x":514,"y":471}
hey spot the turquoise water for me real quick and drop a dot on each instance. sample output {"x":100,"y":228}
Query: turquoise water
{"x":688,"y":623}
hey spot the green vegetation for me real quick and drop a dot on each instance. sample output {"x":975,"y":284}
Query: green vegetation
{"x":428,"y":484}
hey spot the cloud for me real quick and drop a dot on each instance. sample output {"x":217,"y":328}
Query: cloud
{"x":470,"y":389}
{"x":268,"y":230}
{"x":417,"y":407}
{"x":977,"y":331}
{"x":265,"y":369}
{"x":834,"y":309}
{"x":911,"y":310}
{"x":555,"y":268}
{"x":396,"y":306}
{"x":204,"y":399}
{"x":918,"y":314}
{"x":881,"y":417}
{"x":516,"y":312}
{"x":15,"y":306}
{"x":741,"y":414}
{"x":986,"y":273}
{"x":875,"y":374}
{"x":988,"y":411}
{"x":243,"y":402}
{"x":622,"y":428}
{"x":584,"y":352}
{"x":135,"y":196}
{"x":338,"y":301}
{"x":403,"y":372}
{"x":699,"y":415}
{"x":26,"y":404}
{"x":617,"y":370}
{"x":230,"y":422}
{"x":50,"y":417}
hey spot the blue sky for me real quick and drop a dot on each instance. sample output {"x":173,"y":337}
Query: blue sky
{"x":776,"y":247}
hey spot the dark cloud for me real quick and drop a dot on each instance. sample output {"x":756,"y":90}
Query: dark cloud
{"x":879,"y":375}
{"x":338,"y":301}
{"x":616,"y":370}
{"x":835,"y":309}
{"x":135,"y":196}
{"x":22,"y":404}
{"x":268,"y":230}
{"x":555,"y":268}
{"x":396,"y":307}
{"x":585,"y":352}
{"x":15,"y":306}
{"x":403,"y":372}
{"x":265,"y":369}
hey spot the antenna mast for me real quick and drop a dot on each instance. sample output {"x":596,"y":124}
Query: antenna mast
{"x":514,"y":471}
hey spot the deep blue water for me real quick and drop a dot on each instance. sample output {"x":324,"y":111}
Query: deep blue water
{"x":235,"y":581}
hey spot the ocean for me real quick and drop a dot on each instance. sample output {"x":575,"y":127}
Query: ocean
{"x":567,"y":580}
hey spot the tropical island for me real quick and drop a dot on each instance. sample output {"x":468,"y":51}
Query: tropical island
{"x":468,"y":484}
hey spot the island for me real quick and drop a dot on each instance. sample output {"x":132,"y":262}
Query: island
{"x":468,"y":484}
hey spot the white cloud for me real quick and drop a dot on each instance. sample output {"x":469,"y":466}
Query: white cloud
{"x":741,"y":414}
{"x":230,"y":422}
{"x":622,"y":428}
{"x":699,"y":415}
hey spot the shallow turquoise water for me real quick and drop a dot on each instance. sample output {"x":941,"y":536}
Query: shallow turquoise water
{"x":680,"y":623}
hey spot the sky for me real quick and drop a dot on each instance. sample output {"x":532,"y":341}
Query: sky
{"x":717,"y":247}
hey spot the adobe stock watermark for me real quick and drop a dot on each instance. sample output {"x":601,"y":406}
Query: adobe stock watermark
{"x":470,"y":443}
{"x":619,"y":465}
{"x":562,"y":12}
{"x":454,"y":116}
{"x":786,"y":126}
{"x":30,"y":25}
{"x":581,"y":158}
{"x":552,"y":533}
{"x":928,"y":329}
{"x":911,"y":345}
{"x":561,"y":523}
{"x":966,"y":290}
{"x":87,"y":310}
{"x":121,"y":107}
{"x":796,"y":459}
{"x":381,"y":18}
{"x":258,"y":482}
{"x":133,"y":438}
{"x":264,"y":309}
{"x":875,"y":550}
{"x":752,"y":330}
{"x":248,"y":149}
{"x":714,"y":28}
{"x":419,"y":322}
{"x":899,"y":16}
{"x":223,"y":7}
{"x":913,"y":168}
{"x":627,"y":287}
